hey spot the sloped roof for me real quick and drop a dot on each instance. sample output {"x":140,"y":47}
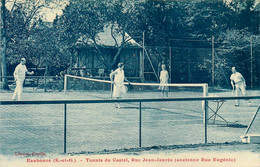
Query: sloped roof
{"x":257,"y":7}
{"x":106,"y":39}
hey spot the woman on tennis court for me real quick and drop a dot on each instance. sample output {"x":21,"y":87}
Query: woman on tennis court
{"x":117,"y":78}
{"x":164,"y":79}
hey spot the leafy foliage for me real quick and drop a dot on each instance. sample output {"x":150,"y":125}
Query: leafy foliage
{"x":232,"y":24}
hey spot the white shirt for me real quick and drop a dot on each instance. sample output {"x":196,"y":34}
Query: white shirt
{"x":19,"y":72}
{"x":236,"y":77}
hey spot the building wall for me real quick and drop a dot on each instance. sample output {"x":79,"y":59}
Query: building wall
{"x":88,"y":59}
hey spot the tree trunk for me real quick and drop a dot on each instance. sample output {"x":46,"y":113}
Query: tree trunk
{"x":114,"y":61}
{"x":3,"y":46}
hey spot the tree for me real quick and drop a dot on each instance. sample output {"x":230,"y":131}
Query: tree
{"x":125,"y":18}
{"x":247,"y":17}
{"x":234,"y":50}
{"x":85,"y":19}
{"x":80,"y":19}
{"x":3,"y":45}
{"x":45,"y":48}
{"x":162,"y":21}
{"x":27,"y":34}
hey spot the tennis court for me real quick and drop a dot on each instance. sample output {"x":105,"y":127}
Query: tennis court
{"x":99,"y":126}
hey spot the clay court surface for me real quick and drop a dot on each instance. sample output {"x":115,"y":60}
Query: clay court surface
{"x":97,"y":127}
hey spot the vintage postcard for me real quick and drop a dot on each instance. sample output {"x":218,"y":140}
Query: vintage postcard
{"x":130,"y":83}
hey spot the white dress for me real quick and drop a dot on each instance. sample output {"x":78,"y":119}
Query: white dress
{"x":164,"y":77}
{"x":119,"y":87}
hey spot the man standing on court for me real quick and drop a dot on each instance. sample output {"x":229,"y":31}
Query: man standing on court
{"x":19,"y":76}
{"x":238,"y":83}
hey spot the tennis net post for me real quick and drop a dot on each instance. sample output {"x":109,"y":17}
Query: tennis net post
{"x":205,"y":104}
{"x":205,"y":112}
{"x":65,"y":83}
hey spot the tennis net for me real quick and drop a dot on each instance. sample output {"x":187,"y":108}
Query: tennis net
{"x":104,"y":88}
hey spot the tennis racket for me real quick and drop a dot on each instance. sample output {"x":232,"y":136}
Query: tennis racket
{"x":123,"y":88}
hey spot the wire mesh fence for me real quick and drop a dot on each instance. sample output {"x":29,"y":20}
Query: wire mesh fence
{"x":170,"y":123}
{"x":230,"y":122}
{"x":94,"y":125}
{"x":211,"y":64}
{"x":31,"y":128}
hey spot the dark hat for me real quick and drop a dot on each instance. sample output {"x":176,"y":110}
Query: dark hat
{"x":120,"y":64}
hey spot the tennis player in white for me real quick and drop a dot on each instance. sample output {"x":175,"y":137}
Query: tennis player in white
{"x":238,"y":83}
{"x":164,"y":79}
{"x":117,"y":77}
{"x":19,"y":76}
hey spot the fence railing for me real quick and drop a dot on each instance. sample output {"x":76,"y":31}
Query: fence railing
{"x":140,"y":108}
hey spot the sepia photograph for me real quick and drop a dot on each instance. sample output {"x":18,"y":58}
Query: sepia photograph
{"x":130,"y":83}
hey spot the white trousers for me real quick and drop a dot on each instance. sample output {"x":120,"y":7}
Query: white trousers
{"x":18,"y":90}
{"x":240,"y":87}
